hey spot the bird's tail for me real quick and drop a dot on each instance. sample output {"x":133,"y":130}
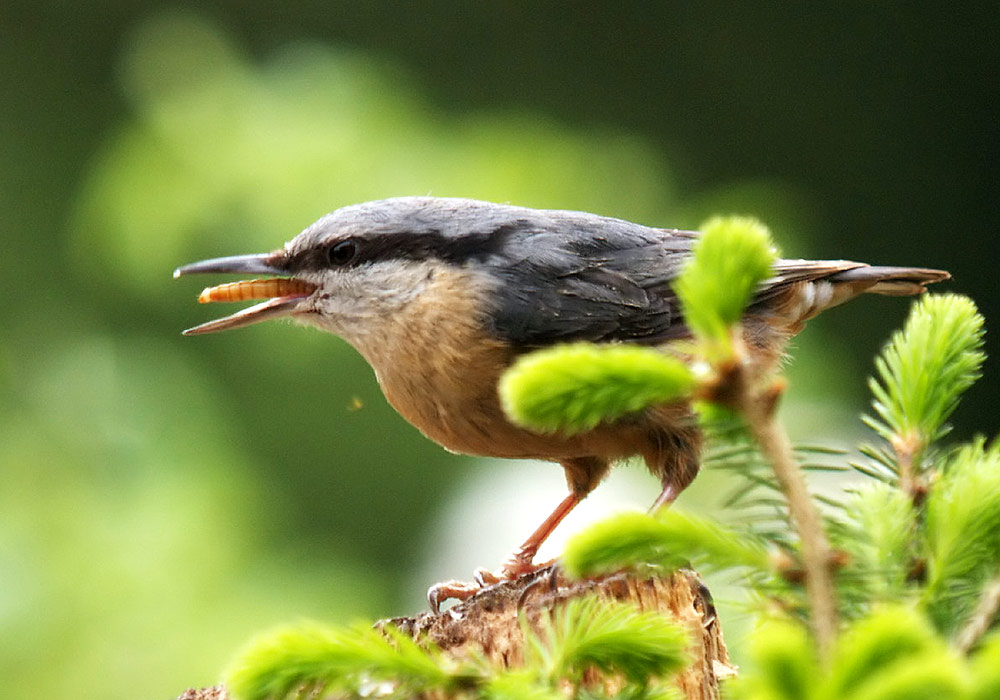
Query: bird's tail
{"x":803,"y":288}
{"x":891,"y":281}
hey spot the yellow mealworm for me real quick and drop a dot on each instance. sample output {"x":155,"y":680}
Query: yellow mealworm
{"x":246,"y":290}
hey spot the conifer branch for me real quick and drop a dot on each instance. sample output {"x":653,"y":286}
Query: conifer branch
{"x":922,"y":373}
{"x":713,"y":295}
{"x":961,"y":534}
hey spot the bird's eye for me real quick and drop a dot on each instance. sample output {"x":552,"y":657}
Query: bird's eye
{"x":343,"y":252}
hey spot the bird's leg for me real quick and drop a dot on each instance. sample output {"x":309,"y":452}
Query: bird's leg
{"x":674,"y":457}
{"x":520,"y":560}
{"x":666,"y":498}
{"x":582,"y":475}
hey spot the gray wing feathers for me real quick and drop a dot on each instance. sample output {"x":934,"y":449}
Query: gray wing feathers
{"x":570,"y":276}
{"x":585,"y":277}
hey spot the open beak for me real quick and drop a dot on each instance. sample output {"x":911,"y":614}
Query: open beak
{"x":282,"y":295}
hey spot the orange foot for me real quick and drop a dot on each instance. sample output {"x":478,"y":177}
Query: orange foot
{"x":516,"y":565}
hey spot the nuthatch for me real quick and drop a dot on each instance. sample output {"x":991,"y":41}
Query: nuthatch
{"x":441,"y":295}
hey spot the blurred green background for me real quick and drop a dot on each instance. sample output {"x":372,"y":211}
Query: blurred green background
{"x":162,"y":498}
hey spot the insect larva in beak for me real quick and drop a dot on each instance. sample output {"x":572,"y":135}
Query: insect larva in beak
{"x":246,"y":290}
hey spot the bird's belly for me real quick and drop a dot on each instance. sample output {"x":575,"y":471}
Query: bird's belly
{"x":461,"y":411}
{"x":463,"y":415}
{"x":439,"y":368}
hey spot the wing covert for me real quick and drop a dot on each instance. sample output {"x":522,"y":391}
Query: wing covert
{"x":588,"y":278}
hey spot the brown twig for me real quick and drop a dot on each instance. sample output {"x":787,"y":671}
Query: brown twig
{"x":758,"y":407}
{"x":982,"y":617}
{"x":906,"y":448}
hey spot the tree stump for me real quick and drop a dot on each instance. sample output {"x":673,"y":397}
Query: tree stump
{"x":487,"y":623}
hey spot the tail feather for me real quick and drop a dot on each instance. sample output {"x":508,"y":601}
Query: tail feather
{"x":803,"y":288}
{"x":891,"y":281}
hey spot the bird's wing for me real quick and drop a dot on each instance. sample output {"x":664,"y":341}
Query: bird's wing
{"x":590,"y":279}
{"x":568,"y":276}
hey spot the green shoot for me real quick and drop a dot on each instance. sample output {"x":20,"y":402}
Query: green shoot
{"x":668,"y":539}
{"x":278,"y":664}
{"x":612,"y":637}
{"x":573,"y":388}
{"x":519,"y":685}
{"x":876,"y":531}
{"x":787,"y":668}
{"x":873,"y":645}
{"x":731,"y":258}
{"x":985,"y":671}
{"x":924,"y":370}
{"x":891,"y":655}
{"x":963,"y":533}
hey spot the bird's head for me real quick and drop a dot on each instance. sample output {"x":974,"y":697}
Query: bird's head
{"x":353,"y":269}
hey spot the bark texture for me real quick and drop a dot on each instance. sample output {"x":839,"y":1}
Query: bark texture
{"x":487,"y":624}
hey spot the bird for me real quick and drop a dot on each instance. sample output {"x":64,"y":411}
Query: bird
{"x":442,"y":295}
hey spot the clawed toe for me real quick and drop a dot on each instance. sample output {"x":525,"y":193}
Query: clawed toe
{"x":513,"y":567}
{"x":450,"y":590}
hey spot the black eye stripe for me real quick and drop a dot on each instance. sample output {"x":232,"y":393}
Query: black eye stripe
{"x":425,"y":245}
